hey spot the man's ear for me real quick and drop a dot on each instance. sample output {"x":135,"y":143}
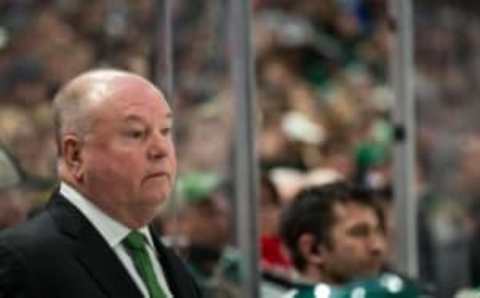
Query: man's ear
{"x":71,"y":151}
{"x":312,"y":252}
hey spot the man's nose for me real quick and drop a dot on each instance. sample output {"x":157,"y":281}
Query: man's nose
{"x":378,"y":244}
{"x":158,"y":146}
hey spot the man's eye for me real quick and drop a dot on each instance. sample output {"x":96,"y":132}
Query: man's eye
{"x":135,"y":134}
{"x":166,"y":131}
{"x":360,"y":231}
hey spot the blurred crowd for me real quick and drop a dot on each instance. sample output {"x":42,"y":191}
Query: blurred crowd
{"x":323,"y":110}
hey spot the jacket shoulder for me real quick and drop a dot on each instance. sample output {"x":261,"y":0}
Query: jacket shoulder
{"x":11,"y":272}
{"x":19,"y":247}
{"x":33,"y":233}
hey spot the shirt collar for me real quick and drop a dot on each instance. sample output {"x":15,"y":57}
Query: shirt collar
{"x":110,"y":229}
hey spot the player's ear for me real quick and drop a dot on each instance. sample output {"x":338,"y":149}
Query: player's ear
{"x":310,"y":249}
{"x":71,"y":153}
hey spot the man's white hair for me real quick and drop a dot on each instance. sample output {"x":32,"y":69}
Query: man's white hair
{"x":72,"y":104}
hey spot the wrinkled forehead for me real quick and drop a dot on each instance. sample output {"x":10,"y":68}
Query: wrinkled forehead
{"x":129,"y":93}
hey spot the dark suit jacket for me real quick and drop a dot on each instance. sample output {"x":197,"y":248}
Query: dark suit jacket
{"x":59,"y":254}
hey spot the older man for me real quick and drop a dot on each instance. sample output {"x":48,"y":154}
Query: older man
{"x":117,"y":165}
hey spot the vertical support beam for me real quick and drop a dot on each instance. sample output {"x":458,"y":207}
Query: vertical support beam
{"x":402,"y":75}
{"x":243,"y":79}
{"x":162,"y":73}
{"x":162,"y":49}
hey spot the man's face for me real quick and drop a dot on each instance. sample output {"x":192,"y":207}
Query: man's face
{"x":208,"y":223}
{"x":357,"y":246}
{"x":128,"y":156}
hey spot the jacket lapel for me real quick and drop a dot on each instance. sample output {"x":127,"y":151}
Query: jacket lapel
{"x":92,"y":251}
{"x":177,"y":278}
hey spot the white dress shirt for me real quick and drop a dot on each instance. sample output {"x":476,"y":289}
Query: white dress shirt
{"x":114,"y":232}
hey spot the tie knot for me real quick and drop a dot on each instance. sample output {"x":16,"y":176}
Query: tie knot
{"x":135,"y":240}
